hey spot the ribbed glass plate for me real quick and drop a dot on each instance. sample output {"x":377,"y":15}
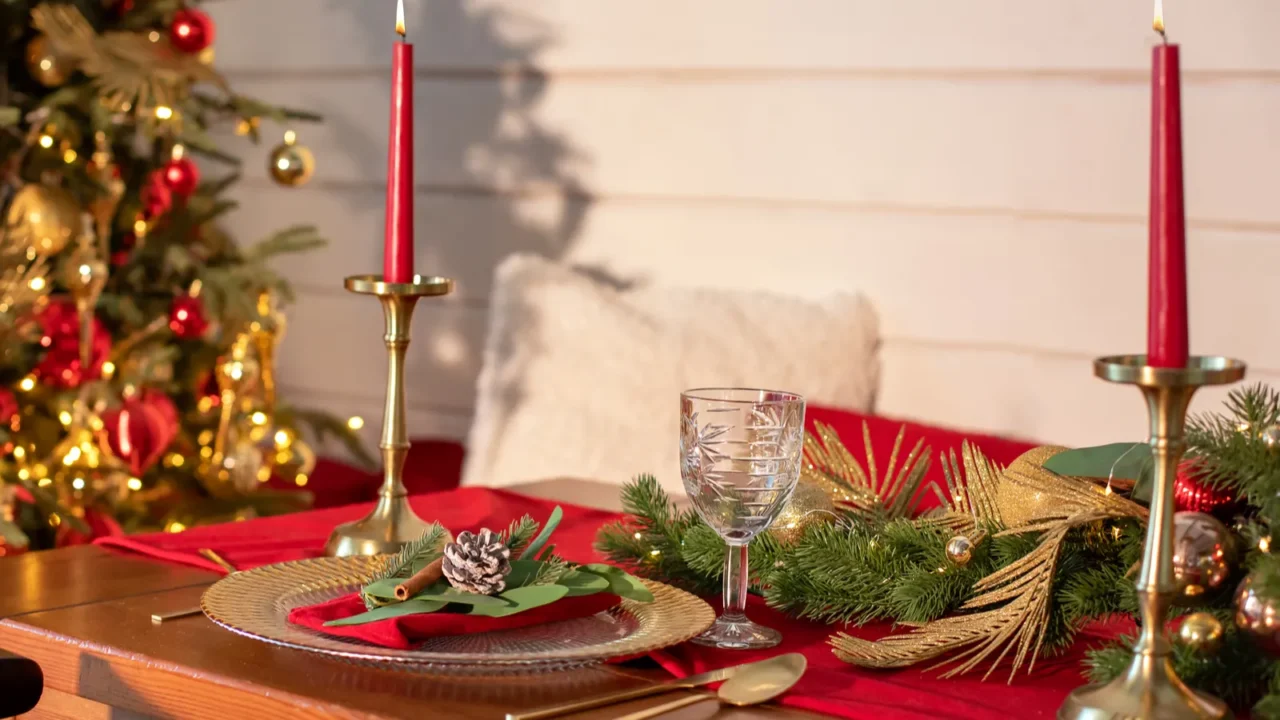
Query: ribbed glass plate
{"x":256,"y":603}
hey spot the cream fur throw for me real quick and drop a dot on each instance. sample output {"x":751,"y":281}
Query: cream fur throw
{"x":583,"y":380}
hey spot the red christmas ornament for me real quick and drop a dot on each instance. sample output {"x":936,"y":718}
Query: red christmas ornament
{"x":60,"y":336}
{"x":8,"y":407}
{"x":186,"y":317}
{"x":181,"y":176}
{"x":156,"y":196}
{"x":140,"y":430}
{"x":191,"y":31}
{"x":1192,"y":493}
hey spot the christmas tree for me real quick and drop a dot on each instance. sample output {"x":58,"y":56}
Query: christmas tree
{"x":137,"y":340}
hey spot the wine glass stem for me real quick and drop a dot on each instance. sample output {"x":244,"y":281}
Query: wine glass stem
{"x":736,"y":579}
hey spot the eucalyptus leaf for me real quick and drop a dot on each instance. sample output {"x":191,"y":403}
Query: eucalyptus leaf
{"x":547,"y":528}
{"x":621,"y":583}
{"x":462,"y":598}
{"x":1128,"y":461}
{"x":522,"y":573}
{"x":408,"y":607}
{"x":521,"y":599}
{"x":583,"y":583}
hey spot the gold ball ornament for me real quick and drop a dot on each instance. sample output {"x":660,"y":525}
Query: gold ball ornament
{"x":1201,"y":632}
{"x":1257,"y":615}
{"x":84,"y":273}
{"x":1203,"y":552}
{"x":291,"y":164}
{"x":1017,"y":503}
{"x":810,"y":504}
{"x":960,"y":550}
{"x":46,"y":66}
{"x":1271,"y":436}
{"x":43,"y":218}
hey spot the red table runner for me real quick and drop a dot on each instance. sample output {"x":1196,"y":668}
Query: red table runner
{"x":830,"y":686}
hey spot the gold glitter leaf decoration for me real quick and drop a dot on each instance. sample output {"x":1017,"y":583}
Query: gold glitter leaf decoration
{"x":128,"y":66}
{"x":830,"y":465}
{"x":1011,"y":610}
{"x":973,"y":508}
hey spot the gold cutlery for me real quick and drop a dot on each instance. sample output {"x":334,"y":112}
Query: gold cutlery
{"x":213,"y":557}
{"x":758,"y":683}
{"x":692,"y":681}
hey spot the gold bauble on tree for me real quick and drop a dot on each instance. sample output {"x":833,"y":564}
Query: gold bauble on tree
{"x":1201,"y":632}
{"x":291,"y":164}
{"x":960,"y":550}
{"x":1202,"y":556}
{"x":83,"y":272}
{"x":42,"y":218}
{"x":1256,"y":614}
{"x":810,"y":504}
{"x":46,"y":66}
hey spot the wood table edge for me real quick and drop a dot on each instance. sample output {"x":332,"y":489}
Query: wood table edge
{"x":153,"y":681}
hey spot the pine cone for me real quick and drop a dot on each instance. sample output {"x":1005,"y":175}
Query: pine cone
{"x":477,"y":562}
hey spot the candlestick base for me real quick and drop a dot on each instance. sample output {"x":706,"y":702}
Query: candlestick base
{"x":1149,"y":688}
{"x":392,"y":524}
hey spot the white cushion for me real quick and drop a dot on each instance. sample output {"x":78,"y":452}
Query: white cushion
{"x":581,"y":379}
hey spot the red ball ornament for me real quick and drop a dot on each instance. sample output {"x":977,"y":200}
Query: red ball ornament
{"x":140,"y":430}
{"x":1192,"y":493}
{"x":186,"y":317}
{"x":60,"y":336}
{"x":181,"y":176}
{"x":8,"y":407}
{"x":156,"y":196}
{"x":191,"y":31}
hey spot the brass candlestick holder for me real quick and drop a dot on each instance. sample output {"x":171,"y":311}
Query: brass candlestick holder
{"x":1149,"y":688}
{"x":392,"y":522}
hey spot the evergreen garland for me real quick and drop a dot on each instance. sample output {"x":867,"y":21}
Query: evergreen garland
{"x":864,"y":567}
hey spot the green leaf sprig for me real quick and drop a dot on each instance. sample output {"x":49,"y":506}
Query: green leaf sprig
{"x":538,"y":577}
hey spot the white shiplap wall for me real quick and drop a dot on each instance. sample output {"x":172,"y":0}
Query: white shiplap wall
{"x":979,"y":168}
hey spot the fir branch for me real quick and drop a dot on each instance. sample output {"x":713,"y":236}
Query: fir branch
{"x":419,"y":552}
{"x":519,"y":533}
{"x":550,"y":571}
{"x":650,"y":540}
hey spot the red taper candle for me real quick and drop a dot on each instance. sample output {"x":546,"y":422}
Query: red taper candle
{"x":1167,"y":286}
{"x":397,"y":258}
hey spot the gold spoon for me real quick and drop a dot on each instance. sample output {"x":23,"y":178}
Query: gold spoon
{"x":756,"y":684}
{"x":213,"y":557}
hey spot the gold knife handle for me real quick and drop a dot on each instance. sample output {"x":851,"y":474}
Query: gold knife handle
{"x":551,"y":711}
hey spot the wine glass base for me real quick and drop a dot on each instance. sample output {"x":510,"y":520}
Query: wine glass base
{"x":738,"y":635}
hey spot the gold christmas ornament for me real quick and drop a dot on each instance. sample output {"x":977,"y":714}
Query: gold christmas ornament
{"x":1202,"y":556}
{"x":830,"y":465}
{"x":1271,"y":436}
{"x":47,"y":67}
{"x":42,"y":218}
{"x":960,"y":550}
{"x":291,"y":164}
{"x":1256,"y":615}
{"x":1018,"y":501}
{"x":83,"y":271}
{"x":810,"y":504}
{"x":1201,"y":632}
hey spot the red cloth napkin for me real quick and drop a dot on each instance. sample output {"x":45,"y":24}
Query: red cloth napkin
{"x":302,"y":535}
{"x":408,"y":630}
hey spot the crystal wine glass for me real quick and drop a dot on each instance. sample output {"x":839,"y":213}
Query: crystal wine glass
{"x":740,"y":459}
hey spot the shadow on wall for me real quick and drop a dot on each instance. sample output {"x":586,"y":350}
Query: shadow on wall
{"x":501,"y":169}
{"x":495,"y":181}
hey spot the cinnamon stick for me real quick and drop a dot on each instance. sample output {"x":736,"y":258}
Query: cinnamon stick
{"x":421,"y":580}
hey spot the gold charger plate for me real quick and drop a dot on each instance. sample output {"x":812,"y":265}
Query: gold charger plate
{"x":256,"y":603}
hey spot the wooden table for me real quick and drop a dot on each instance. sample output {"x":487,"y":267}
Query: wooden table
{"x":84,"y":615}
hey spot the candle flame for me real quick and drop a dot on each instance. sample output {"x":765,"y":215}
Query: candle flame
{"x":1158,"y":22}
{"x":400,"y":17}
